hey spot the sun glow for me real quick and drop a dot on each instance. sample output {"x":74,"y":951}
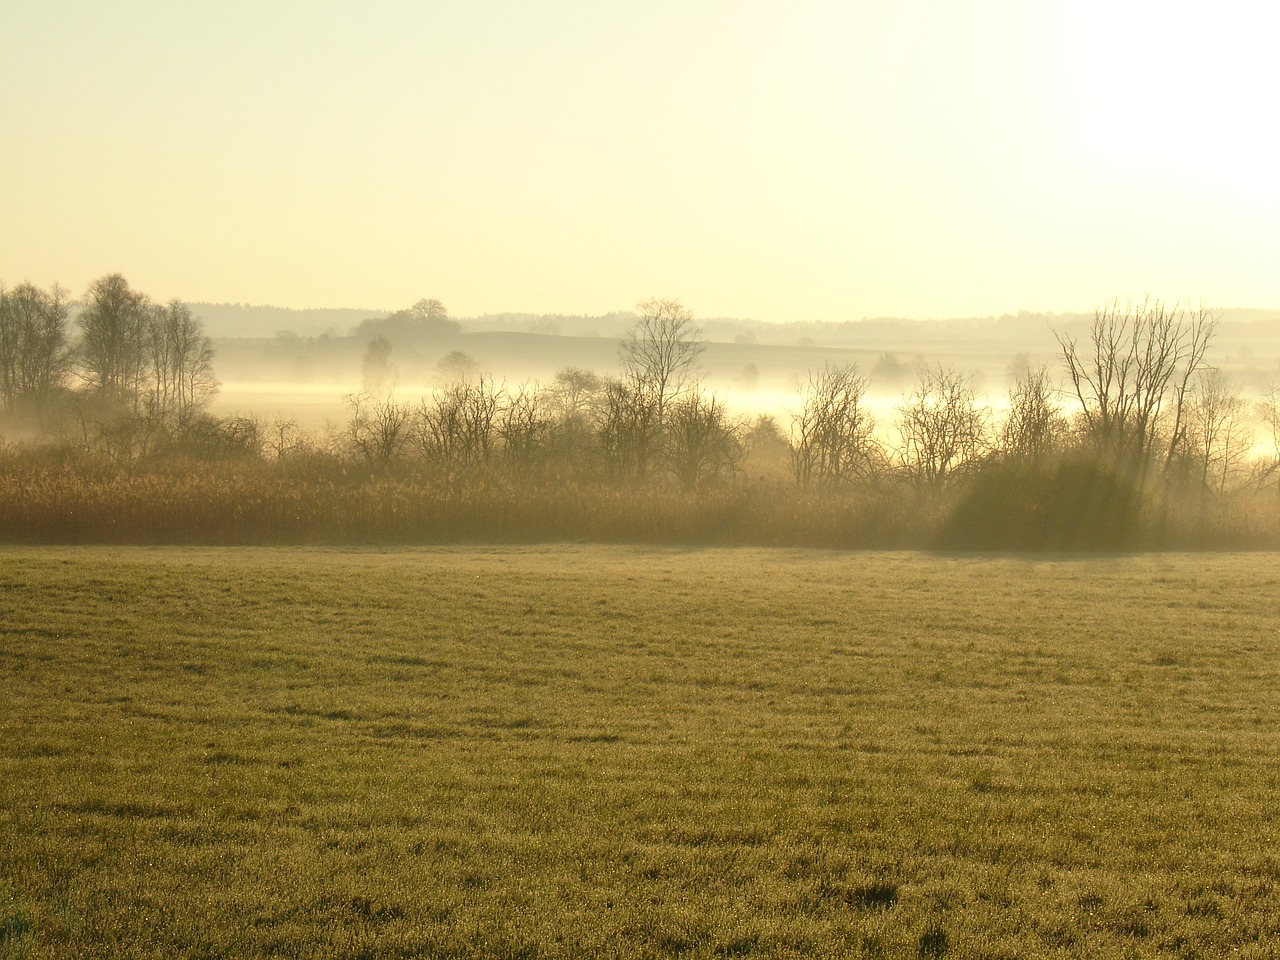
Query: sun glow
{"x":1176,"y":95}
{"x":792,"y":161}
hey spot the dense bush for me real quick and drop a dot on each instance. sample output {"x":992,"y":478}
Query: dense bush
{"x":1074,"y":503}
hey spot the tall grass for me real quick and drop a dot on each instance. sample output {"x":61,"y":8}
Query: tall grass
{"x":256,"y":501}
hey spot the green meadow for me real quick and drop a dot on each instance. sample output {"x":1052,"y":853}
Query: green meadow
{"x":581,"y":751}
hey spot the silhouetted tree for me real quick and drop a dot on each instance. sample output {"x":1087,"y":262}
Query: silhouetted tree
{"x":379,"y":430}
{"x":378,"y":372}
{"x":524,"y":426}
{"x":456,"y":365}
{"x":575,"y":395}
{"x":426,"y":320}
{"x":1268,"y":411}
{"x":113,"y":348}
{"x":1218,"y":437}
{"x":889,"y":369}
{"x":701,"y":444}
{"x":1034,"y":427}
{"x":204,"y":437}
{"x":34,"y":354}
{"x":767,"y":449}
{"x":765,"y":436}
{"x":1132,"y":380}
{"x":455,"y":428}
{"x":660,"y":354}
{"x":659,"y":361}
{"x":285,"y":440}
{"x":942,"y":428}
{"x":428,"y":311}
{"x":179,"y":377}
{"x":833,"y":434}
{"x":629,"y":431}
{"x":573,"y":403}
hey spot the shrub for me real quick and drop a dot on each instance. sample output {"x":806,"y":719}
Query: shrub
{"x":1076,"y":503}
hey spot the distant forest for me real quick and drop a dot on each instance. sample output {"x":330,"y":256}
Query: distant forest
{"x":739,"y":357}
{"x":233,"y":320}
{"x":1130,"y":438}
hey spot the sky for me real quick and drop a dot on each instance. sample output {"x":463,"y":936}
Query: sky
{"x":781,"y":161}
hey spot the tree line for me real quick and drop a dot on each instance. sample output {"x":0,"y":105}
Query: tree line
{"x":1137,"y":429}
{"x":1140,"y":399}
{"x":125,"y":356}
{"x":1136,"y":437}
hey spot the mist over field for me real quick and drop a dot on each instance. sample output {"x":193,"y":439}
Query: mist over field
{"x":1144,"y":425}
{"x":312,"y":358}
{"x":574,"y":637}
{"x":691,"y":480}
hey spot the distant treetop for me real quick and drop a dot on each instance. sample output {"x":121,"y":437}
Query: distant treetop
{"x":426,"y":319}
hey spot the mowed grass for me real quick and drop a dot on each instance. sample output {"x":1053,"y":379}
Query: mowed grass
{"x":584,"y":751}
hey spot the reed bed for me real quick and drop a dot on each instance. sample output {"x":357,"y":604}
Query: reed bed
{"x":256,"y":501}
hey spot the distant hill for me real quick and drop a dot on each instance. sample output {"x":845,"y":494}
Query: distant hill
{"x":261,"y":344}
{"x":1035,"y":330}
{"x":230,"y":320}
{"x":298,"y":364}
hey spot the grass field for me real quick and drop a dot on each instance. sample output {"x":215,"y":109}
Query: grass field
{"x":585,"y":751}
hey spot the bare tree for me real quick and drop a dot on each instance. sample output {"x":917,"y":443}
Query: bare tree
{"x":1034,"y":427}
{"x":702,"y":446}
{"x":523,"y":426}
{"x":1268,"y":411}
{"x":205,"y":437}
{"x":1132,"y":381}
{"x":379,"y":429}
{"x":660,"y":355}
{"x":456,"y":427}
{"x":833,"y":435}
{"x":113,"y":348}
{"x":456,"y":365}
{"x":575,"y":403}
{"x":941,"y":426}
{"x":1218,"y":437}
{"x":575,"y":394}
{"x":284,"y":439}
{"x":34,"y":354}
{"x":378,"y":372}
{"x":629,"y":429}
{"x":180,"y":362}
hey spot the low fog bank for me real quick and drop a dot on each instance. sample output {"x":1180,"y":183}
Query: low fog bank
{"x":1150,"y":426}
{"x":237,"y":320}
{"x":756,"y":368}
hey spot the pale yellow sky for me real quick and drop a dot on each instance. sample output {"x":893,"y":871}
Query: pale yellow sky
{"x":783,"y":161}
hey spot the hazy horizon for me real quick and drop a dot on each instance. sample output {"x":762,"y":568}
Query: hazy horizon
{"x":813,"y":161}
